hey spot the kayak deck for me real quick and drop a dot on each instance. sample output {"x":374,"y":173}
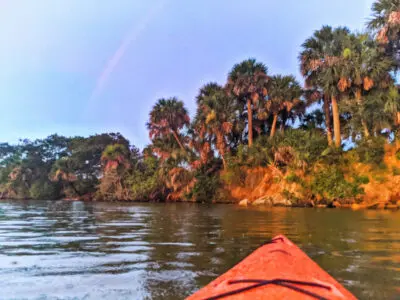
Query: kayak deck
{"x":277,"y":270}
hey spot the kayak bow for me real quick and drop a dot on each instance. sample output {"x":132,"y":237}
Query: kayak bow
{"x":276,"y":270}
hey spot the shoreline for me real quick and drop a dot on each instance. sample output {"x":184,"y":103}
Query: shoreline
{"x":383,"y":205}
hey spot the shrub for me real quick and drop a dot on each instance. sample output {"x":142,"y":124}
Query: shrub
{"x":362,"y":179}
{"x":205,"y":189}
{"x":380,"y":178}
{"x":292,"y":178}
{"x":43,"y":190}
{"x":331,"y":184}
{"x":207,"y":183}
{"x":396,"y":171}
{"x":234,"y":176}
{"x":371,"y":151}
{"x":290,"y":196}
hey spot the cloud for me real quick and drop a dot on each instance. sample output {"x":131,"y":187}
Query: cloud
{"x":131,"y":37}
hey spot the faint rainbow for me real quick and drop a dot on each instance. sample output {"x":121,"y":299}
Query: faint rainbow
{"x":135,"y":32}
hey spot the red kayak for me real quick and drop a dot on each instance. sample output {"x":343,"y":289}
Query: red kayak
{"x":277,"y":270}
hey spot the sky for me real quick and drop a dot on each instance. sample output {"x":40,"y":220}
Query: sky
{"x":80,"y":67}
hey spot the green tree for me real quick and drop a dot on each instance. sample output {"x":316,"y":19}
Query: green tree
{"x":116,"y":162}
{"x":367,"y":70}
{"x":385,"y":23}
{"x":319,"y":66}
{"x":168,"y":116}
{"x":215,"y":116}
{"x":284,"y":94}
{"x":248,"y":81}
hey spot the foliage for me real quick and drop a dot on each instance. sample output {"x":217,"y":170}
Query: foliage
{"x":331,"y":184}
{"x":293,"y":178}
{"x":396,"y":171}
{"x":43,"y":190}
{"x":371,"y":151}
{"x":145,"y":182}
{"x":398,"y":155}
{"x":207,"y":184}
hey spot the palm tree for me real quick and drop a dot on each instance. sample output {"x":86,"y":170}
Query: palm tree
{"x":247,"y":80}
{"x":168,"y":116}
{"x":284,"y":93}
{"x":215,"y":116}
{"x":64,"y":171}
{"x":385,"y":23}
{"x":318,"y":63}
{"x":366,"y":68}
{"x":115,"y":159}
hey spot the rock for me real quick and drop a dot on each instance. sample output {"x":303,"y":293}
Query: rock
{"x":279,"y":201}
{"x":381,"y":205}
{"x":391,"y":206}
{"x":356,"y":206}
{"x":378,"y":205}
{"x":262,"y":201}
{"x":336,"y":204}
{"x":244,"y":202}
{"x":321,"y":206}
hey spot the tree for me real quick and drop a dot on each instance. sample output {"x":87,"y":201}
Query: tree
{"x":168,"y":116}
{"x":284,"y":93}
{"x":215,"y":116}
{"x":247,"y":81}
{"x":116,"y":161}
{"x":63,"y":172}
{"x":318,"y":64}
{"x":385,"y":23}
{"x":366,"y":69}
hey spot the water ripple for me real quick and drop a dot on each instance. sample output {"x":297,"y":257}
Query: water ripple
{"x":75,"y":250}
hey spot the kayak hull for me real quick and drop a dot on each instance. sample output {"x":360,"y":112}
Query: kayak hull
{"x":277,"y":270}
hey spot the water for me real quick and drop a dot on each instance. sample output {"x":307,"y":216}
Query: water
{"x":75,"y":250}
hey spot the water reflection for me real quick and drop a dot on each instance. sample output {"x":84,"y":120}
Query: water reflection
{"x":59,"y":249}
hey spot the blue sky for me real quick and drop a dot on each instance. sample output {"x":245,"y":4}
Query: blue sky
{"x":79,"y":67}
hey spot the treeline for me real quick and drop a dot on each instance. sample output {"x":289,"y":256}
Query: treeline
{"x":350,"y":100}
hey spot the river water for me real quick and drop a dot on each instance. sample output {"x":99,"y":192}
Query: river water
{"x":76,"y":250}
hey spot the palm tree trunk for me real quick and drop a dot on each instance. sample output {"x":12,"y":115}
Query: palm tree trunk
{"x":284,"y":120}
{"x":365,"y":128}
{"x":223,"y":162}
{"x":273,"y":127}
{"x":328,"y":120}
{"x":178,"y":140}
{"x":363,"y":122}
{"x":336,"y":122}
{"x":250,"y":122}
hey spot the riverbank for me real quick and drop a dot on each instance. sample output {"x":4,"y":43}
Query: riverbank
{"x":367,"y":176}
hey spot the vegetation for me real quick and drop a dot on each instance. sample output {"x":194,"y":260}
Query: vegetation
{"x":253,"y":120}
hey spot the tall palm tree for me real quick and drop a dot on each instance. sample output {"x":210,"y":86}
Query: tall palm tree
{"x":168,"y":116}
{"x":318,"y":64}
{"x":284,"y":93}
{"x":366,"y":68}
{"x":385,"y":23}
{"x":215,"y":116}
{"x":247,"y":80}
